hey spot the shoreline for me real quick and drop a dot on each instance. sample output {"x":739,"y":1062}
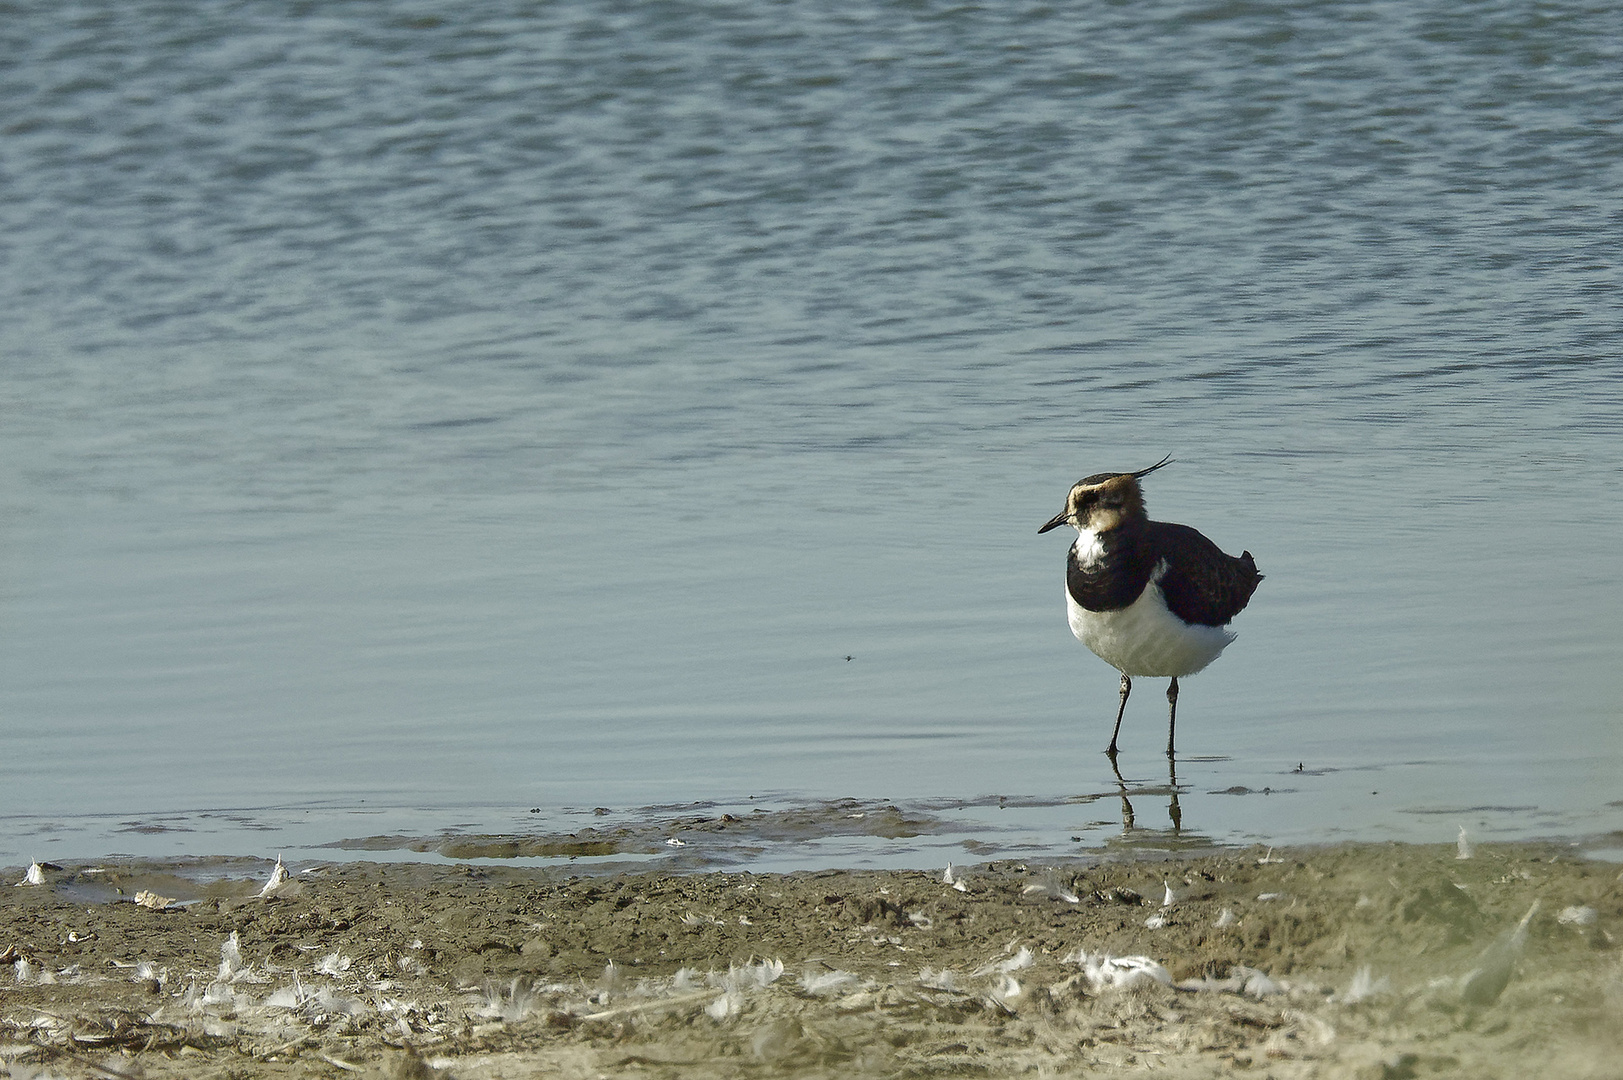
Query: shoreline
{"x":761,"y":834}
{"x":1352,"y":960}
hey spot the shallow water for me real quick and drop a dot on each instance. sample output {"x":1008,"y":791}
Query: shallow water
{"x":414,"y":421}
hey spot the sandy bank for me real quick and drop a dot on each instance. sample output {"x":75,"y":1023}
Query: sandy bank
{"x":1355,"y":961}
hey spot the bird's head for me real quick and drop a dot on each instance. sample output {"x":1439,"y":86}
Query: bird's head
{"x":1100,"y":502}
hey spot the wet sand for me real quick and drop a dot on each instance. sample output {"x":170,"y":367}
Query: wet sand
{"x":1372,"y":961}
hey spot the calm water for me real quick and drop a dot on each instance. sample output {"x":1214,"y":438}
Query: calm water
{"x":413,"y":415}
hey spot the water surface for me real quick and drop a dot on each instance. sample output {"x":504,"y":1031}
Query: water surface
{"x":431,"y":417}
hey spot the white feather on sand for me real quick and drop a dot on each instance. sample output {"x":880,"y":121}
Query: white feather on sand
{"x":1578,"y":916}
{"x":1365,"y":986}
{"x":1105,"y":972}
{"x":278,"y":878}
{"x":1002,"y":994}
{"x":1051,"y":885}
{"x":1021,"y":959}
{"x":1483,"y":984}
{"x":827,"y":982}
{"x":726,"y":1005}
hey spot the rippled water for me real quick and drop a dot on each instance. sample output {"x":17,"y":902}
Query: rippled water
{"x":412,"y":418}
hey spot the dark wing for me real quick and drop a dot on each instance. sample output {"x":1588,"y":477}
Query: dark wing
{"x":1202,"y":585}
{"x":1118,"y":576}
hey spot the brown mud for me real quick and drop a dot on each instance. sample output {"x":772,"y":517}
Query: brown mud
{"x":1376,"y":961}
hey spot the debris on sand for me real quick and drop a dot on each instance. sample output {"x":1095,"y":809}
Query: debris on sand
{"x":1483,"y":984}
{"x":278,"y":879}
{"x":1365,"y":986}
{"x":1578,"y":915}
{"x":494,"y":971}
{"x":1105,"y":972}
{"x":148,"y":899}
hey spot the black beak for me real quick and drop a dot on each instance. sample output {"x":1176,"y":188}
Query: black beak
{"x":1058,"y":520}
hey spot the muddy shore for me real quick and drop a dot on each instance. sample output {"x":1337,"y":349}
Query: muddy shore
{"x":1353,"y":961}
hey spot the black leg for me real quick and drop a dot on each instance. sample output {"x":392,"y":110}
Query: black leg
{"x":1172,"y":713}
{"x":1126,"y":688}
{"x":1173,"y":809}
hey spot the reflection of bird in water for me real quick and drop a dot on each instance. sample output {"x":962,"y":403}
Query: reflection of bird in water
{"x":1174,"y":811}
{"x":1148,"y":597}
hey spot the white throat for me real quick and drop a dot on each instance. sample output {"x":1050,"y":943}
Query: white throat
{"x":1088,"y":547}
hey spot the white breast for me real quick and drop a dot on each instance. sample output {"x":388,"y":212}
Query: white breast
{"x":1145,"y":638}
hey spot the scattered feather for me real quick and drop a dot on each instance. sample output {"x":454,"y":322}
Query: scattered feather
{"x":1155,"y":922}
{"x":333,"y":964}
{"x":1225,"y":918}
{"x":148,"y":899}
{"x":278,"y":878}
{"x":1483,"y":984}
{"x":1021,"y":959}
{"x":232,"y":971}
{"x":931,"y":979}
{"x":691,"y":919}
{"x":769,"y":971}
{"x":230,"y":958}
{"x":327,"y":1003}
{"x":288,"y":997}
{"x":1001,"y":995}
{"x":1364,"y":986}
{"x":752,"y":976}
{"x":1106,"y":972}
{"x":1241,"y":980}
{"x":726,"y":1005}
{"x":826,"y":982}
{"x":509,"y":1005}
{"x":1051,"y":885}
{"x":1256,"y":983}
{"x":1578,"y":916}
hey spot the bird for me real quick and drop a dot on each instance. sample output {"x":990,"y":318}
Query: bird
{"x":1149,"y":598}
